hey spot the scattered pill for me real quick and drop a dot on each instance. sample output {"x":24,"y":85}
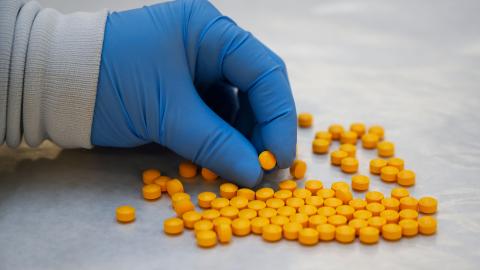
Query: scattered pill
{"x":229,"y":212}
{"x":219,"y":203}
{"x":162,"y":182}
{"x":408,"y":203}
{"x":399,"y":193}
{"x":343,"y":194}
{"x":275,"y":203}
{"x":391,"y":203}
{"x":288,"y":185}
{"x":305,"y":120}
{"x":349,"y":137}
{"x":369,"y":235}
{"x":267,"y":212}
{"x":377,"y":222}
{"x":337,"y":156}
{"x":349,"y":165}
{"x":409,"y":227}
{"x":392,"y":232}
{"x":326,"y":211}
{"x":357,"y":224}
{"x":286,"y":211}
{"x":408,"y":214}
{"x":174,"y":186}
{"x":320,"y":146}
{"x":375,"y":208}
{"x":173,"y":226}
{"x":376,"y":165}
{"x":298,"y":169}
{"x":125,"y":214}
{"x":224,"y":233}
{"x":374,"y":196}
{"x":267,"y":160}
{"x":256,"y":205}
{"x":208,"y":175}
{"x":221,"y":220}
{"x":427,"y":225}
{"x":258,"y":223}
{"x":228,"y":190}
{"x":246,"y":193}
{"x":151,"y":192}
{"x":345,"y":210}
{"x":397,"y":163}
{"x":406,"y":178}
{"x":149,"y":176}
{"x":316,"y":201}
{"x":336,"y":130}
{"x":247,"y":213}
{"x":241,"y":226}
{"x":340,"y":185}
{"x":427,"y":205}
{"x":357,"y":204}
{"x":358,"y":128}
{"x":326,"y":232}
{"x":345,"y":234}
{"x":349,"y":148}
{"x":388,"y":174}
{"x":272,"y":233}
{"x":187,"y":169}
{"x":205,"y":199}
{"x":302,"y":193}
{"x":263,"y":194}
{"x":210,"y":214}
{"x":308,"y":236}
{"x":180,"y":196}
{"x":291,"y":230}
{"x":377,"y":130}
{"x":183,"y":206}
{"x":324,"y":135}
{"x":239,"y":202}
{"x":283,"y":194}
{"x":360,"y":182}
{"x":190,"y":218}
{"x":391,"y":216}
{"x":315,"y":220}
{"x":313,"y":185}
{"x":370,"y":141}
{"x":206,"y":239}
{"x":326,"y":193}
{"x":202,"y":225}
{"x":362,"y":214}
{"x":385,"y":149}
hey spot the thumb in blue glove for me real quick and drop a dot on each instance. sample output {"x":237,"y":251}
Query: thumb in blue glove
{"x":169,"y":74}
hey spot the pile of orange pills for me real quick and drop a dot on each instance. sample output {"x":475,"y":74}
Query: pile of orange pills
{"x":310,"y":214}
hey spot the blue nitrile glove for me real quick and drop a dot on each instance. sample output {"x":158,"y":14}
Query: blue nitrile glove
{"x":167,"y":75}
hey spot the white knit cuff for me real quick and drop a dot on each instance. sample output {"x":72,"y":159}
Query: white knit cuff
{"x":61,"y":75}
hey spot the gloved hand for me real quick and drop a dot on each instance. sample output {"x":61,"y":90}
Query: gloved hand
{"x":169,"y":74}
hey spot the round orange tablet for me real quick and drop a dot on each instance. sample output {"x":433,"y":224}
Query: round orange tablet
{"x":205,"y":199}
{"x":183,"y":206}
{"x":229,"y":212}
{"x":315,"y":220}
{"x":349,"y":165}
{"x":325,"y":135}
{"x":298,"y":169}
{"x":336,"y":130}
{"x":228,"y":190}
{"x":187,"y":169}
{"x":358,"y":128}
{"x":326,"y":232}
{"x":326,"y":211}
{"x":246,"y":193}
{"x":151,"y":192}
{"x":427,"y":205}
{"x":264,"y":194}
{"x":313,"y":185}
{"x":208,"y":175}
{"x":206,"y":239}
{"x":369,"y":235}
{"x":406,"y":178}
{"x":286,"y":211}
{"x":391,"y":216}
{"x":376,"y":165}
{"x":125,"y":214}
{"x":316,"y":201}
{"x":392,"y":232}
{"x":357,"y":204}
{"x":307,"y":209}
{"x":337,"y":156}
{"x":389,"y":174}
{"x":203,"y":225}
{"x":385,"y":149}
{"x":239,"y":202}
{"x":409,"y":227}
{"x":295,"y":202}
{"x":349,"y":137}
{"x":340,"y":185}
{"x":397,"y":163}
{"x":357,"y":224}
{"x":344,"y":195}
{"x":375,"y":208}
{"x":224,"y":233}
{"x":308,"y":236}
{"x":300,"y":218}
{"x":332,"y":202}
{"x":258,"y":223}
{"x":362,"y":214}
{"x":241,"y":227}
{"x":399,"y":193}
{"x":302,"y":193}
{"x":408,"y":214}
{"x":337,"y":220}
{"x":180,"y":196}
{"x":272,"y":232}
{"x":267,"y":160}
{"x":305,"y":120}
{"x":247,"y":213}
{"x":161,"y":181}
{"x":345,"y":234}
{"x":279,"y":220}
{"x":427,"y":225}
{"x":370,"y":141}
{"x":267,"y":212}
{"x":320,"y":146}
{"x":345,"y":210}
{"x":391,"y":203}
{"x":149,"y":176}
{"x":190,"y":218}
{"x":173,"y":226}
{"x":377,"y":130}
{"x":256,"y":205}
{"x":288,"y":185}
{"x":210,"y":214}
{"x":174,"y":186}
{"x":219,"y":203}
{"x":283,"y":194}
{"x":275,"y":203}
{"x":408,"y":203}
{"x":360,"y":182}
{"x":326,"y":193}
{"x":377,"y":222}
{"x":291,"y":230}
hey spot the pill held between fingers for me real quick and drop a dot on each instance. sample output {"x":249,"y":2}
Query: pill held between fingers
{"x":305,"y":120}
{"x":174,"y":186}
{"x":385,"y":149}
{"x":206,"y":239}
{"x":208,"y":175}
{"x":370,"y":141}
{"x":272,"y":233}
{"x":267,"y":160}
{"x":308,"y":236}
{"x":173,"y":226}
{"x":298,"y":169}
{"x":358,"y":128}
{"x":125,"y":214}
{"x":336,"y":130}
{"x":187,"y":169}
{"x":406,"y":178}
{"x":360,"y":182}
{"x":205,"y":199}
{"x":427,"y":205}
{"x":369,"y":235}
{"x":151,"y":192}
{"x":320,"y":146}
{"x":149,"y":176}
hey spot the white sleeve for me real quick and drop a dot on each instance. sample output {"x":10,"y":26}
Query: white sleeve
{"x":49,"y":64}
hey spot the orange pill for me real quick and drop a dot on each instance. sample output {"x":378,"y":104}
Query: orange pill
{"x":313,"y":185}
{"x":408,"y":203}
{"x":326,"y":232}
{"x":391,"y":232}
{"x":241,"y":227}
{"x":275,"y":203}
{"x":263,"y":194}
{"x":125,"y":214}
{"x":283,"y":194}
{"x":349,"y":137}
{"x":345,"y":210}
{"x":320,"y":146}
{"x":272,"y":233}
{"x":208,"y":175}
{"x":239,"y":202}
{"x":286,"y":211}
{"x":256,"y":205}
{"x":408,"y":214}
{"x":229,"y":212}
{"x":288,"y":185}
{"x":344,"y":195}
{"x":389,"y":174}
{"x":357,"y":224}
{"x":385,"y":149}
{"x":210,"y":214}
{"x":219,"y":203}
{"x":305,"y":120}
{"x":190,"y":218}
{"x":206,"y":239}
{"x":337,"y":156}
{"x":180,"y":196}
{"x":307,"y":209}
{"x":267,"y":160}
{"x":187,"y":169}
{"x":161,"y":181}
{"x":376,"y":165}
{"x":298,"y":169}
{"x":205,"y":199}
{"x":399,"y":193}
{"x":427,"y":225}
{"x":300,"y":218}
{"x":258,"y":223}
{"x":349,"y":165}
{"x":308,"y":236}
{"x":345,"y":234}
{"x":337,"y":220}
{"x":391,"y":216}
{"x":360,"y":182}
{"x":340,"y":185}
{"x":151,"y":192}
{"x":174,"y":186}
{"x":326,"y":211}
{"x":377,"y":222}
{"x":316,"y":201}
{"x":173,"y":226}
{"x":406,"y":178}
{"x":324,"y":135}
{"x":362,"y":214}
{"x":358,"y":128}
{"x":374,"y":196}
{"x":149,"y":176}
{"x":349,"y":148}
{"x":247,"y":213}
{"x":375,"y":208}
{"x":391,"y":203}
{"x":291,"y":230}
{"x":336,"y":130}
{"x":369,"y":235}
{"x":246,"y":193}
{"x":409,"y":227}
{"x":326,"y":193}
{"x":377,"y":130}
{"x":397,"y":163}
{"x":427,"y":205}
{"x":267,"y":212}
{"x":315,"y":220}
{"x":279,"y":220}
{"x":183,"y":206}
{"x":224,"y":233}
{"x":203,"y":225}
{"x":332,"y":202}
{"x":370,"y":141}
{"x":302,"y":193}
{"x":357,"y":204}
{"x":228,"y":190}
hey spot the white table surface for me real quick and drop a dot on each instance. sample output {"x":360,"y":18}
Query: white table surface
{"x":411,"y":66}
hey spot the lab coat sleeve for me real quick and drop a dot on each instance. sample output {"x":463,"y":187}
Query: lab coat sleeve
{"x":49,"y":64}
